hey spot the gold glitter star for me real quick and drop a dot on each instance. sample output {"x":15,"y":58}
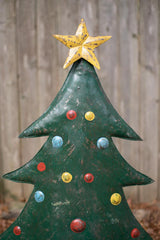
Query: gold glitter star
{"x":81,"y":45}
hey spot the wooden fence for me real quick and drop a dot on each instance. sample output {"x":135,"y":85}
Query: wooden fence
{"x":31,"y":74}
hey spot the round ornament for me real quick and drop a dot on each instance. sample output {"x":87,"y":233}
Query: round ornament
{"x":71,"y":115}
{"x":57,"y":142}
{"x":66,"y":177}
{"x":17,"y":230}
{"x":41,"y":166}
{"x":135,"y":233}
{"x":102,"y":143}
{"x":89,"y":177}
{"x":39,"y":196}
{"x":78,"y":225}
{"x":116,"y":199}
{"x":90,"y":116}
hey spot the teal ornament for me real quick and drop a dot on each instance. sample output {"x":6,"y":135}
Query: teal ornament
{"x":102,"y":143}
{"x":39,"y":196}
{"x":57,"y":142}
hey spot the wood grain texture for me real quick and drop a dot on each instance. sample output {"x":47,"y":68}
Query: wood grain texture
{"x":31,"y":74}
{"x":46,"y":56}
{"x":158,"y":169}
{"x":27,"y":76}
{"x":109,"y":53}
{"x":47,"y":64}
{"x":9,"y":116}
{"x":128,"y":80}
{"x":65,"y":11}
{"x":149,"y":82}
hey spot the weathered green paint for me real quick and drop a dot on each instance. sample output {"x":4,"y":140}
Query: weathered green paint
{"x":79,"y":155}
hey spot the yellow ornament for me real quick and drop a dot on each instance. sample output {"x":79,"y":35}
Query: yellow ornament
{"x":81,"y":45}
{"x":90,"y":116}
{"x":66,"y":177}
{"x":116,"y":199}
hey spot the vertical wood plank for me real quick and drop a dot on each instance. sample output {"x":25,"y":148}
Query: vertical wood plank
{"x":109,"y":53}
{"x":158,"y":169}
{"x":88,"y":10}
{"x":2,"y":199}
{"x":66,"y":24}
{"x":148,"y":17}
{"x":47,"y":52}
{"x":128,"y":81}
{"x":27,"y":72}
{"x":9,"y":115}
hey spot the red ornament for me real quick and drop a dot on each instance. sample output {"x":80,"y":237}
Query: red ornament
{"x":89,"y":177}
{"x":17,"y":230}
{"x":135,"y":233}
{"x":78,"y":225}
{"x":41,"y":167}
{"x":71,"y":114}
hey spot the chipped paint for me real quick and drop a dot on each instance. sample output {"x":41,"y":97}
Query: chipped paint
{"x":60,"y":203}
{"x":114,"y":220}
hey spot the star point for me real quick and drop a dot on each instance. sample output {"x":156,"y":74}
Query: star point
{"x":81,"y":45}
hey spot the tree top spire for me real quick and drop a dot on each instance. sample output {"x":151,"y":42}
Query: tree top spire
{"x":81,"y":45}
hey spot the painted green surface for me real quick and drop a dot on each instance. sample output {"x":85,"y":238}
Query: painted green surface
{"x":64,"y":202}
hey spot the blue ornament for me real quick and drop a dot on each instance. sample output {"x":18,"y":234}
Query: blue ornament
{"x":57,"y":142}
{"x":39,"y":196}
{"x":102,"y":143}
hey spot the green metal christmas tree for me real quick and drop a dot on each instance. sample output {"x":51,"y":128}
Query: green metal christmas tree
{"x":78,"y":174}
